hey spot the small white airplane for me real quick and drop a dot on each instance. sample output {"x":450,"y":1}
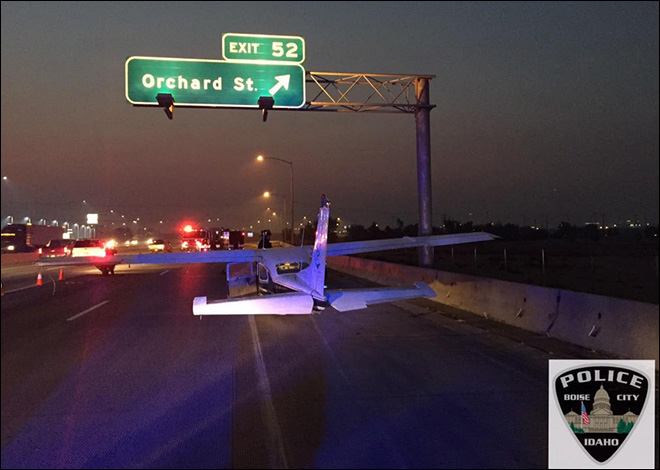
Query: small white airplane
{"x":292,"y":277}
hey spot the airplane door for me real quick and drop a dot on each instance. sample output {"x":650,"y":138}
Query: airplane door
{"x":241,"y":279}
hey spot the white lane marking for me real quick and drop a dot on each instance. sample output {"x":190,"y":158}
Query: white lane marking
{"x":88,"y":310}
{"x":21,"y":288}
{"x":275,"y":444}
{"x":164,"y":272}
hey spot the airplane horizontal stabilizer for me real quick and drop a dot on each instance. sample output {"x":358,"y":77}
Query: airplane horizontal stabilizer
{"x":293,"y":303}
{"x":347,"y":300}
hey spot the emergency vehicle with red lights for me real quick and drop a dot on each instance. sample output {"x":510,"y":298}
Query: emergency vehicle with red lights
{"x":195,"y":239}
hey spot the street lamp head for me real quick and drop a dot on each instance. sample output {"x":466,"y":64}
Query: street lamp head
{"x":266,"y":194}
{"x":260,"y":158}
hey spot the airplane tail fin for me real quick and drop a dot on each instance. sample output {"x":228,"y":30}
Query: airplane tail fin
{"x":314,"y":275}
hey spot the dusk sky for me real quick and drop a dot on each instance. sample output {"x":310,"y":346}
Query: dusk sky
{"x":542,"y":108}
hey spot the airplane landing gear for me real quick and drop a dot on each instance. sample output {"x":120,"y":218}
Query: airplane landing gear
{"x":106,"y":270}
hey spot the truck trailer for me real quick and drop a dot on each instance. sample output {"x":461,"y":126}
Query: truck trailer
{"x":22,"y":238}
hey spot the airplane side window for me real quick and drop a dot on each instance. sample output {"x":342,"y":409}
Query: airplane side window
{"x":263,"y":273}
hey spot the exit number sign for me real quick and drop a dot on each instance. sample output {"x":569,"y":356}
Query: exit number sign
{"x":261,"y":47}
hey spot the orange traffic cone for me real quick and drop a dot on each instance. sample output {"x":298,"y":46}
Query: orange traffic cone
{"x":39,"y":281}
{"x":61,"y":277}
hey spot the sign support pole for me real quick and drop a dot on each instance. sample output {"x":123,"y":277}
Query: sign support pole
{"x":423,"y":131}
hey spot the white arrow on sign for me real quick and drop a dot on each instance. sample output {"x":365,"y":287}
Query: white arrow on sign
{"x":282,"y":82}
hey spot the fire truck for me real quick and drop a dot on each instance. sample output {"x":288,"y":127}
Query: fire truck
{"x":205,"y":239}
{"x":195,"y":239}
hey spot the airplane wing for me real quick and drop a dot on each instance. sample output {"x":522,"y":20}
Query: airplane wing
{"x":296,"y":252}
{"x":223,"y":256}
{"x":292,"y":252}
{"x":351,"y":248}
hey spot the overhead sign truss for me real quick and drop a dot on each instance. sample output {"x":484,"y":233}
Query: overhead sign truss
{"x":364,"y":93}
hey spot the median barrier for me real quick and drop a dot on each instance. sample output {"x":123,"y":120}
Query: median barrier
{"x":621,"y":327}
{"x":18,"y":258}
{"x":624,"y":327}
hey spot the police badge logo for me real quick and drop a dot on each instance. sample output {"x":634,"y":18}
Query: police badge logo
{"x":601,"y":405}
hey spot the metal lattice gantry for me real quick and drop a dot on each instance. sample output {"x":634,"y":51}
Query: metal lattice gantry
{"x":365,"y":93}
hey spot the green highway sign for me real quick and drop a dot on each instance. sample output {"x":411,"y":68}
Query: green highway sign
{"x":261,"y":47}
{"x":213,"y":83}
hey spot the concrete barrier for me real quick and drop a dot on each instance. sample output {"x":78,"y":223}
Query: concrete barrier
{"x":18,"y":258}
{"x":622,"y":327}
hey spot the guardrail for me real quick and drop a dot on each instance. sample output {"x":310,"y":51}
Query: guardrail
{"x":622,"y":327}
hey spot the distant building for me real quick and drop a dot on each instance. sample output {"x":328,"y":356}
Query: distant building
{"x":601,"y":418}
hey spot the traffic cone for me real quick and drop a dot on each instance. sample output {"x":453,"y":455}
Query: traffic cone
{"x":61,"y":276}
{"x":39,"y":281}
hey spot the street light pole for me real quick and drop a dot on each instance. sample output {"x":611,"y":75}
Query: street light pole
{"x":261,"y":158}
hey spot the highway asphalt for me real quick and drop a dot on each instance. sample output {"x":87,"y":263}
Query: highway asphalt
{"x":116,"y":372}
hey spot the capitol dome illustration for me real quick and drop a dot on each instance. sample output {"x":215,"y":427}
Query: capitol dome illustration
{"x":601,"y":419}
